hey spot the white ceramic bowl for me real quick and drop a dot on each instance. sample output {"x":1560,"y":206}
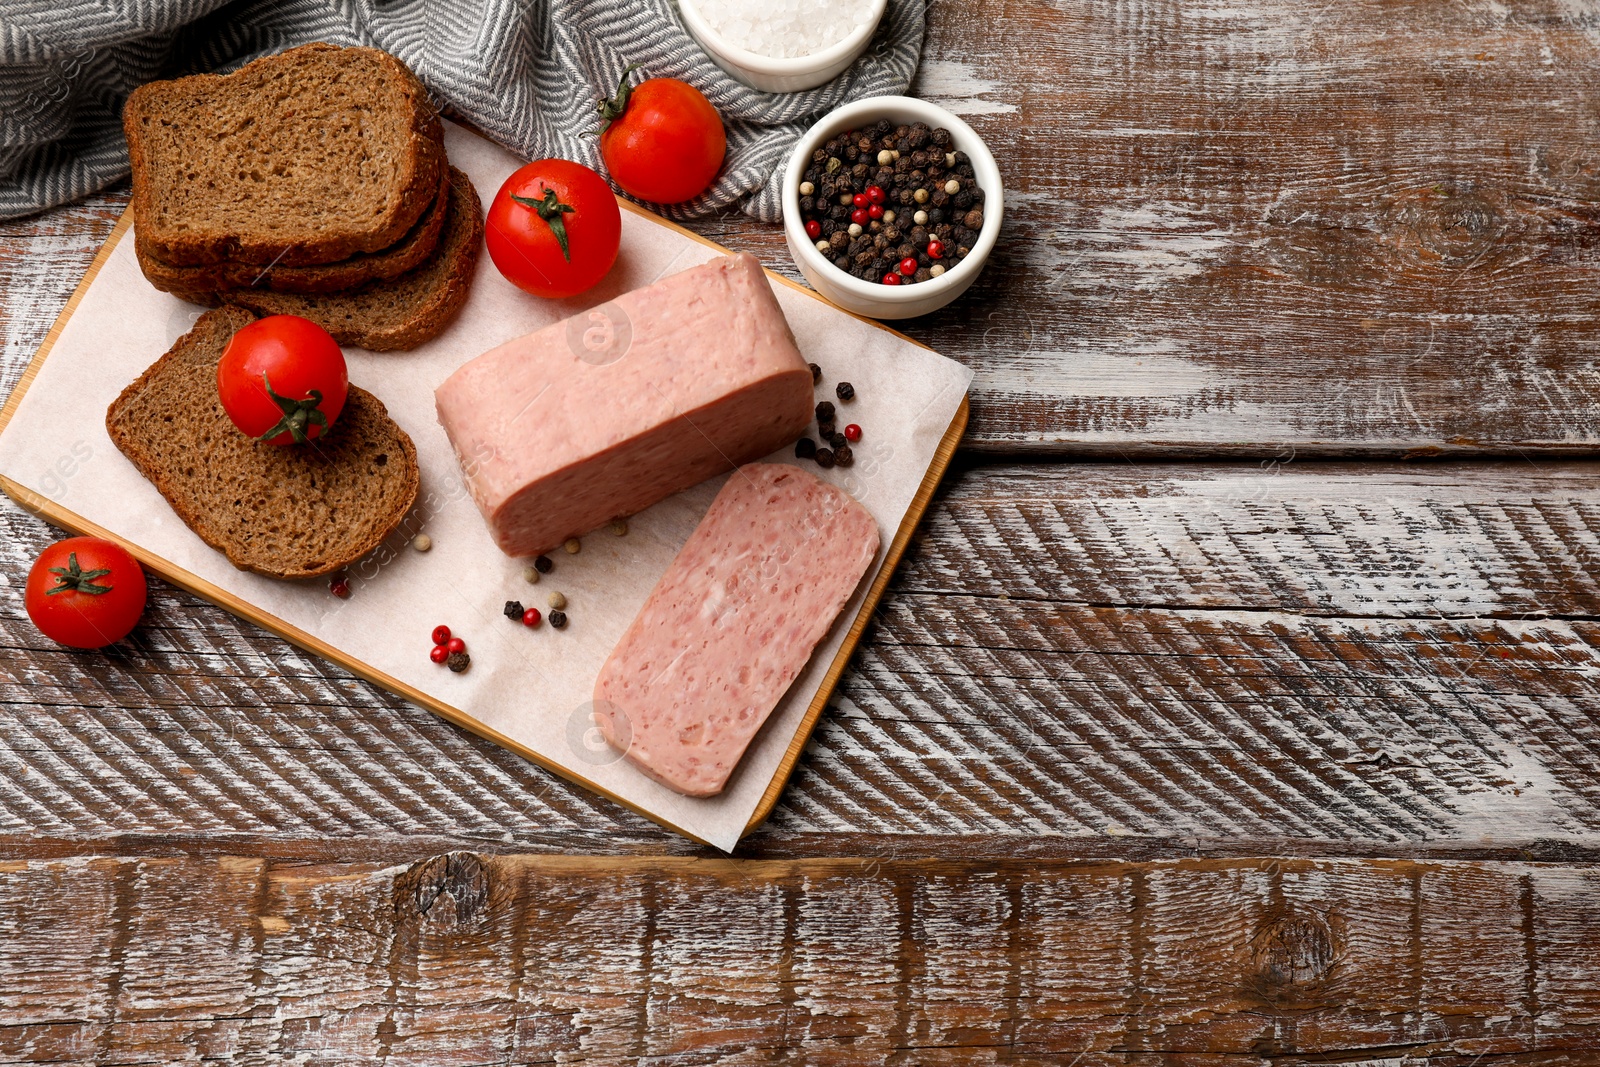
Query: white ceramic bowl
{"x":875,"y":299}
{"x":781,"y":75}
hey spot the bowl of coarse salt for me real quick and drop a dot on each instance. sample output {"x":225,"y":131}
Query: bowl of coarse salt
{"x":781,"y":46}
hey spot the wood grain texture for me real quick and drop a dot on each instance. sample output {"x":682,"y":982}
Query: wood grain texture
{"x":1102,"y":657}
{"x":472,"y":959}
{"x":1352,"y":228}
{"x":1355,"y":229}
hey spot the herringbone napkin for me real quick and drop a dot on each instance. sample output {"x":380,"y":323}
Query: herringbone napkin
{"x":526,"y":72}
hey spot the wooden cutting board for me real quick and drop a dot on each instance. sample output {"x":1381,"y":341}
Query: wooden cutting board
{"x":62,"y":512}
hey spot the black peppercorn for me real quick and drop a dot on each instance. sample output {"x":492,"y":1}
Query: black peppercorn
{"x":513,"y":610}
{"x":458,"y":661}
{"x":837,"y":440}
{"x":542,"y":564}
{"x":825,"y":429}
{"x":558,"y":619}
{"x":825,"y":411}
{"x":843,"y":457}
{"x":844,"y":391}
{"x":824,"y":458}
{"x":805,"y":448}
{"x":816,"y":373}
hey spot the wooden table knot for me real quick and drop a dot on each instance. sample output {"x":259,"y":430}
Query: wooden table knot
{"x":1291,"y":954}
{"x":1454,"y":227}
{"x":452,"y":889}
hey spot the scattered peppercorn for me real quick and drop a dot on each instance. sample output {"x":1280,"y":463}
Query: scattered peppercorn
{"x":825,"y":411}
{"x":573,"y":546}
{"x":542,"y":564}
{"x":458,"y":661}
{"x":439,"y":654}
{"x":531,"y":617}
{"x":843,"y":457}
{"x":845,"y":391}
{"x":340,"y":587}
{"x":422,"y":542}
{"x":513,"y":609}
{"x":816,"y":373}
{"x":620,"y":527}
{"x":455,"y":644}
{"x":530,"y":574}
{"x":441,"y":634}
{"x":852,"y":432}
{"x":558,"y":619}
{"x":824,"y":458}
{"x":805,"y":448}
{"x":837,"y":440}
{"x":557,"y":600}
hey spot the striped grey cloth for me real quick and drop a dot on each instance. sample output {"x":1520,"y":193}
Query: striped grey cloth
{"x":526,"y":72}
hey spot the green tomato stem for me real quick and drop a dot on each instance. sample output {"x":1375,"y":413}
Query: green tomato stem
{"x":550,"y":209}
{"x":76,"y":579}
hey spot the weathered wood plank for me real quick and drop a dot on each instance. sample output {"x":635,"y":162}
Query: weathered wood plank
{"x":1102,"y":657}
{"x":469,"y":959}
{"x":1350,"y":228}
{"x":1358,"y":228}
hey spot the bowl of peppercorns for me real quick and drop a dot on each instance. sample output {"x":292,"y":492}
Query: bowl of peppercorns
{"x":891,"y":205}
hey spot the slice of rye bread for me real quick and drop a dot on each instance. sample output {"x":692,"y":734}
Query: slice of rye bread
{"x":286,"y":512}
{"x":412,"y":249}
{"x":392,"y":315}
{"x":304,"y":157}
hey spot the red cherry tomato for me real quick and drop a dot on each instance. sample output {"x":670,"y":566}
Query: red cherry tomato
{"x":85,"y":592}
{"x":554,"y":228}
{"x":664,"y":141}
{"x":304,"y":368}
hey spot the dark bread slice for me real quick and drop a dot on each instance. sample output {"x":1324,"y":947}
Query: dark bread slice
{"x":412,"y":249}
{"x":392,"y":315}
{"x":291,"y":512}
{"x":304,"y":157}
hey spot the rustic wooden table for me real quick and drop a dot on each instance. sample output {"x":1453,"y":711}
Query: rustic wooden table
{"x":1206,"y":723}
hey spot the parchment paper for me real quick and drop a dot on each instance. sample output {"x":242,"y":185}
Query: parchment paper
{"x":534,"y":686}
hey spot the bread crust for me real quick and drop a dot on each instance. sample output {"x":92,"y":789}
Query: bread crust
{"x":432,"y":294}
{"x":410,"y":251}
{"x":137,"y":424}
{"x":252,"y":240}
